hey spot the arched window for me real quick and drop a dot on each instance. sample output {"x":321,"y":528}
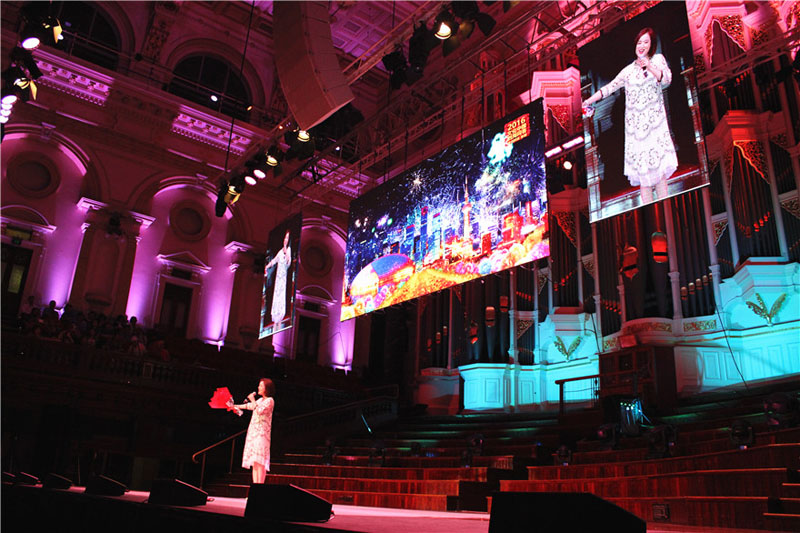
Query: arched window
{"x":88,"y":32}
{"x":213,"y":83}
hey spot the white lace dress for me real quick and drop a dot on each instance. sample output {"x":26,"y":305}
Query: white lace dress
{"x":649,"y":151}
{"x":259,"y":433}
{"x":283,"y":261}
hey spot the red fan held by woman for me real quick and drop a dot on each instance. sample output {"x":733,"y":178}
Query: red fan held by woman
{"x":223,"y":399}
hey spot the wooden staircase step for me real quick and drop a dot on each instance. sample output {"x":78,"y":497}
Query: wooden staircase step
{"x":785,"y":506}
{"x":522,"y":450}
{"x":391,"y":486}
{"x":733,"y":482}
{"x":782,"y":521}
{"x":790,"y":490}
{"x":376,"y":472}
{"x":771,"y":455}
{"x":682,"y":449}
{"x":426,"y":502}
{"x":497,"y":461}
{"x":706,"y":511}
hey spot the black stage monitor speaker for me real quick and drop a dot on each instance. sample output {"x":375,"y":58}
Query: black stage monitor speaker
{"x":54,"y":481}
{"x":564,"y":512}
{"x":23,"y":478}
{"x":285,"y":503}
{"x":104,"y":486}
{"x":176,"y":492}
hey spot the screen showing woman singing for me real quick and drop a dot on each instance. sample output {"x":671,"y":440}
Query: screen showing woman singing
{"x":639,"y":112}
{"x":277,"y":296}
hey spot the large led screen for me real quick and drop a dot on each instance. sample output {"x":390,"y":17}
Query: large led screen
{"x":474,"y":209}
{"x":644,"y":120}
{"x":280,"y":275}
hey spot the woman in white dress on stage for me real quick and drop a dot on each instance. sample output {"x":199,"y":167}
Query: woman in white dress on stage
{"x":650,"y":157}
{"x":259,"y":432}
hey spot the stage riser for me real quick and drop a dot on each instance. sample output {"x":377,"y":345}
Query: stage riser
{"x":472,"y":474}
{"x":720,"y":444}
{"x":429,"y":502}
{"x":449,"y":487}
{"x":766,"y":456}
{"x":411,"y":462}
{"x":452,"y":451}
{"x":753,"y":482}
{"x":730,"y":512}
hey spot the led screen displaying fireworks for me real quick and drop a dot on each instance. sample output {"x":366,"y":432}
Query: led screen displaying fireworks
{"x":474,"y":209}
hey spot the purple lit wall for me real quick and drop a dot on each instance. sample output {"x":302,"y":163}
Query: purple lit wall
{"x":66,"y":173}
{"x":197,"y":247}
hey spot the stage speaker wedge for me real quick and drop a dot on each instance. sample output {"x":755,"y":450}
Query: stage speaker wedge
{"x":54,"y":481}
{"x":307,"y":63}
{"x":176,"y":492}
{"x":23,"y":478}
{"x":286,"y":503}
{"x":565,"y":512}
{"x":104,"y":486}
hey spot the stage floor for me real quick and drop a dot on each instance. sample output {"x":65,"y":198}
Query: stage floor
{"x":381,"y":520}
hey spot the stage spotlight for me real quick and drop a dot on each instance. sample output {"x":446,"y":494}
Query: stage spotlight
{"x":563,"y":456}
{"x":661,"y":441}
{"x":608,"y":435}
{"x":24,"y":58}
{"x":250,"y":180}
{"x":419,"y":46}
{"x":37,"y":29}
{"x":301,"y":145}
{"x":274,"y":155}
{"x":444,"y":25}
{"x":742,"y":434}
{"x":465,"y":29}
{"x":782,"y":410}
{"x":469,"y":11}
{"x":395,"y":63}
{"x":29,"y":41}
{"x":19,"y":83}
{"x":258,"y":166}
{"x":567,"y":164}
{"x":8,"y":97}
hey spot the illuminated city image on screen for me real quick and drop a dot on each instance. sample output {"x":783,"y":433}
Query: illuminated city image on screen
{"x":474,"y":209}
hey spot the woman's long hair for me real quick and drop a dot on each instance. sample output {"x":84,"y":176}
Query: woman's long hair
{"x":269,"y":387}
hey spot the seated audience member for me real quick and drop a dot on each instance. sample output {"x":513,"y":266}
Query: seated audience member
{"x":50,"y":313}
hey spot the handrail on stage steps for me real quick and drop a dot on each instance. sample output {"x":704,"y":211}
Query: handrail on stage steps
{"x":341,"y":419}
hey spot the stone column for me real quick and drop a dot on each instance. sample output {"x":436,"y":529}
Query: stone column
{"x":241,"y":266}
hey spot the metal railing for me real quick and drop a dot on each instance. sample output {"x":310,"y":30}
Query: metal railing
{"x":624,"y":382}
{"x":594,"y":386}
{"x":298,"y":430}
